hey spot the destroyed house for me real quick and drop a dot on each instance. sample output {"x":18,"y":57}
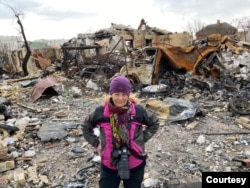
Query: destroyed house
{"x":154,"y":36}
{"x":221,"y":28}
{"x":138,"y":38}
{"x":117,"y":38}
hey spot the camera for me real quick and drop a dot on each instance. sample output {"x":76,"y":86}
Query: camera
{"x":122,"y":163}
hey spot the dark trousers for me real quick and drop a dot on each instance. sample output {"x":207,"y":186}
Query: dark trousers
{"x":110,"y":178}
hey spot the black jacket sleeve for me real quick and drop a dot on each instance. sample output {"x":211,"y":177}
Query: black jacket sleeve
{"x":152,"y":124}
{"x":88,"y":126}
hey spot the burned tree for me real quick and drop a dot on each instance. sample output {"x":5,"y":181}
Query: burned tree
{"x":28,"y":51}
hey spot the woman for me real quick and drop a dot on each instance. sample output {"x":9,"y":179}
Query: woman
{"x":124,"y":129}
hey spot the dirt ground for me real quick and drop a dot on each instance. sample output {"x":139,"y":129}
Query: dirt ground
{"x":175,"y":152}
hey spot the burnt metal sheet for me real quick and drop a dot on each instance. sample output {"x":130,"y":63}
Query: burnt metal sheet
{"x":41,"y":62}
{"x":44,"y":87}
{"x":152,"y":63}
{"x":187,"y":57}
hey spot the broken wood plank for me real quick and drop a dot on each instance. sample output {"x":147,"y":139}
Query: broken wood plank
{"x":76,"y":119}
{"x":22,"y":79}
{"x":23,"y":159}
{"x":31,"y":108}
{"x":52,"y":145}
{"x":222,"y":133}
{"x":192,"y":125}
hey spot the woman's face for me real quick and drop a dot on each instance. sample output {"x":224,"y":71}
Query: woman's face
{"x":120,"y":99}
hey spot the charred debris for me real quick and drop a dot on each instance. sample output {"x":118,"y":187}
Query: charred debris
{"x":149,"y":57}
{"x":188,"y":79}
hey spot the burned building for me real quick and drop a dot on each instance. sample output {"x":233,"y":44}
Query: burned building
{"x":144,"y":35}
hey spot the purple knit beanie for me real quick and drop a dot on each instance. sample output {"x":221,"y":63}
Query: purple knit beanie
{"x":120,"y":84}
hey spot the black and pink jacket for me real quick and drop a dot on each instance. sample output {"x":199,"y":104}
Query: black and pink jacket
{"x":144,"y":125}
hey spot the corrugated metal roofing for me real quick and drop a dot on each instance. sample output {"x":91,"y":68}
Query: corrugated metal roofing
{"x":44,"y":87}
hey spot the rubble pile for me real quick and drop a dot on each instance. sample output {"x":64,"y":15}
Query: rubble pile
{"x":203,"y":108}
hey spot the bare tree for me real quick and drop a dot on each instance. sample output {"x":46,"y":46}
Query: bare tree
{"x":28,"y":51}
{"x":242,"y":24}
{"x":195,"y":26}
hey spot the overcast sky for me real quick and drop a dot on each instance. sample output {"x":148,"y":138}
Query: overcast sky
{"x":58,"y":19}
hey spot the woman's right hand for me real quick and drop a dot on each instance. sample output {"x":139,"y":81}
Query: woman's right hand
{"x":98,"y":148}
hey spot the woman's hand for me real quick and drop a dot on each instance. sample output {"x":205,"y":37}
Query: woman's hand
{"x":98,"y":148}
